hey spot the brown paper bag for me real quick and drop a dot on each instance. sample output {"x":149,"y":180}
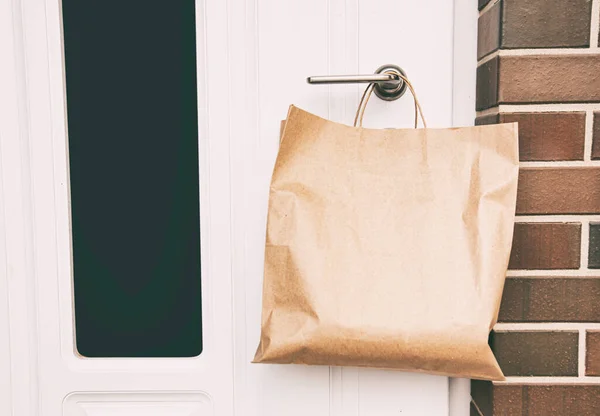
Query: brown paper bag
{"x":388,"y":248}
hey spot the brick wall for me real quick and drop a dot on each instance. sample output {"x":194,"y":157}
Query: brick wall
{"x":539,"y":65}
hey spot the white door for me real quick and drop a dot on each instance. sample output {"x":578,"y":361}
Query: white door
{"x":252,"y":60}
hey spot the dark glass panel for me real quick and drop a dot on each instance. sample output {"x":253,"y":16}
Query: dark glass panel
{"x":133,"y":155}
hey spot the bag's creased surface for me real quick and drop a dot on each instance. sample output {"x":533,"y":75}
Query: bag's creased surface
{"x":388,"y":248}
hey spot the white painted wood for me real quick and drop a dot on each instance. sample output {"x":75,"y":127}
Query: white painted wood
{"x":7,"y":129}
{"x":5,"y":361}
{"x":464,"y":73}
{"x":253,"y":58}
{"x":17,"y":271}
{"x":137,"y":404}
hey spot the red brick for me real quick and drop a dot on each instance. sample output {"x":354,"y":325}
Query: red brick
{"x":549,"y":78}
{"x":574,"y":190}
{"x":545,"y":136}
{"x":488,"y":119}
{"x":488,"y":31}
{"x":482,"y":3}
{"x":552,"y":299}
{"x":482,"y":393}
{"x":540,"y":400}
{"x":510,"y":400}
{"x":594,"y":246}
{"x":536,"y":353}
{"x":592,"y":357}
{"x":549,"y":136}
{"x":538,"y":79}
{"x":534,"y":24}
{"x":596,"y":137}
{"x":546,"y":246}
{"x":487,"y":84}
{"x":545,"y":23}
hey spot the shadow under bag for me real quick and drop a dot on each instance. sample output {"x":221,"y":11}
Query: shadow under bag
{"x":388,"y":247}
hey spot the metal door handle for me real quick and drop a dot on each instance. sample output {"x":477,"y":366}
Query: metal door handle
{"x":388,"y":85}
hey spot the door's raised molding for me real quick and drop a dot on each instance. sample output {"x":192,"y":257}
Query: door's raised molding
{"x":137,"y":404}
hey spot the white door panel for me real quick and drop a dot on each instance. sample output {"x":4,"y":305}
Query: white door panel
{"x":253,"y":57}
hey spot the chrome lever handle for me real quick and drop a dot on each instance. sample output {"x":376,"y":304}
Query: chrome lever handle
{"x":388,"y":85}
{"x":350,"y":79}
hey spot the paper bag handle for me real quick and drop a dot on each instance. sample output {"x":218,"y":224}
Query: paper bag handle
{"x":360,"y":112}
